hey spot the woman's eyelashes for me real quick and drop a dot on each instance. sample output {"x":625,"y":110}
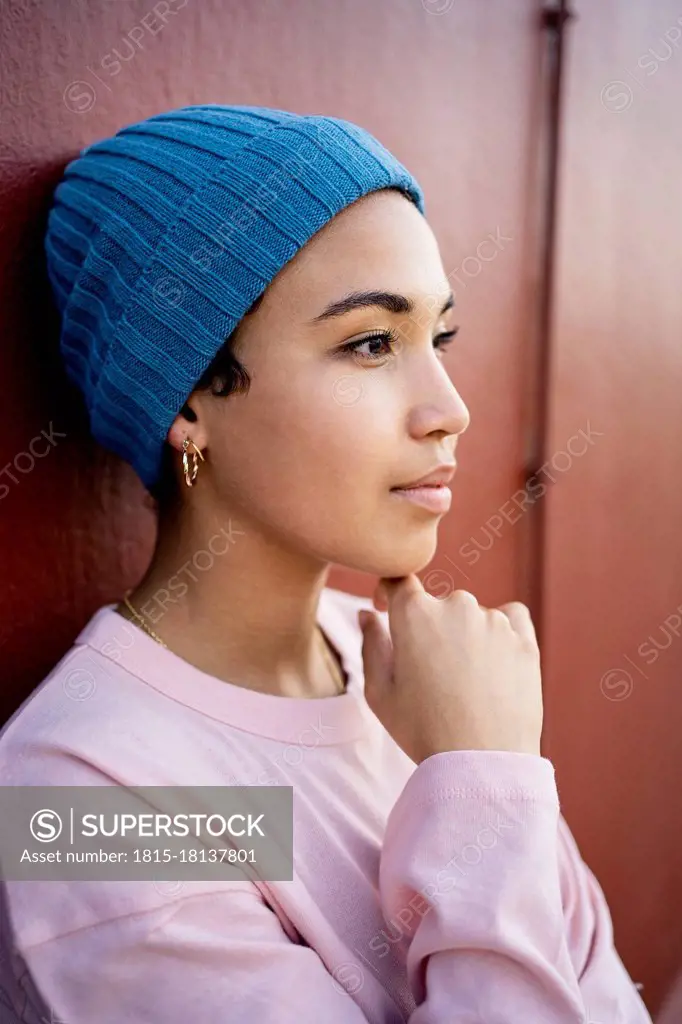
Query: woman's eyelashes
{"x":391,"y":340}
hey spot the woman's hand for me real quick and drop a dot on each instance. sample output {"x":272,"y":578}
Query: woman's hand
{"x":452,"y":675}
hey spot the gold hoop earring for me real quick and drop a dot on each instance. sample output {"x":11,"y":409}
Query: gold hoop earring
{"x":190,"y":477}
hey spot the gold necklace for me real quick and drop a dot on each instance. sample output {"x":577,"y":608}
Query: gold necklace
{"x":139,"y":618}
{"x":336,"y":670}
{"x":331,"y":661}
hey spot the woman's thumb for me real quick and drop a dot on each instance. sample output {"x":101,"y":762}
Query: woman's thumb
{"x":377,"y":653}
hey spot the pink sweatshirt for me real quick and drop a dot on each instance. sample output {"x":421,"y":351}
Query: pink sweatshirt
{"x":446,"y":893}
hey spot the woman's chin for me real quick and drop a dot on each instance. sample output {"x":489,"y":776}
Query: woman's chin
{"x":406,"y":558}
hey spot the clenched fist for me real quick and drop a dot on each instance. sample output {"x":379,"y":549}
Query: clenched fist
{"x":451,"y":674}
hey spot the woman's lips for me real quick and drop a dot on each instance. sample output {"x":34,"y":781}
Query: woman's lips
{"x":434,"y":497}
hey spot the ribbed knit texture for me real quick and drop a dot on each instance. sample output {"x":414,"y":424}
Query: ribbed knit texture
{"x":161,"y":237}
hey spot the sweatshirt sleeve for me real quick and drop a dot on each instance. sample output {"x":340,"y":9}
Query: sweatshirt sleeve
{"x":503,"y":922}
{"x":606,"y":987}
{"x":216,"y":958}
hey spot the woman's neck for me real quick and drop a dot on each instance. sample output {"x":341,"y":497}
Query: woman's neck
{"x":237,"y":607}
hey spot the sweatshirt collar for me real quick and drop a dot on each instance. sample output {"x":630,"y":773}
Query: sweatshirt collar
{"x":304,"y":721}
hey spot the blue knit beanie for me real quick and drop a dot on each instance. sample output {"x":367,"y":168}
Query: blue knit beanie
{"x":161,"y":237}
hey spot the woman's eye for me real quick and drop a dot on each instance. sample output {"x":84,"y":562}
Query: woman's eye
{"x":441,"y":341}
{"x":386,"y":338}
{"x":389,"y":340}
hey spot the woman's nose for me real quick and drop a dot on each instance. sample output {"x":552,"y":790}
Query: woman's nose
{"x":442,"y":411}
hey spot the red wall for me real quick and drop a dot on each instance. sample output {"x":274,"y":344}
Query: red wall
{"x":613,"y":556}
{"x":459,"y":90}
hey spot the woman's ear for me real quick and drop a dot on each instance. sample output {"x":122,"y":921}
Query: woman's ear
{"x":187,"y":423}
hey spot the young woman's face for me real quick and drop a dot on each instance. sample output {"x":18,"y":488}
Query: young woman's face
{"x":309,"y":456}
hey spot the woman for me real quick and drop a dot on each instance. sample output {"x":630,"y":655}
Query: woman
{"x":255,"y":309}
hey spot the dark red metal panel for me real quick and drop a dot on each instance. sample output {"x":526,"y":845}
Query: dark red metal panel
{"x":613,"y":566}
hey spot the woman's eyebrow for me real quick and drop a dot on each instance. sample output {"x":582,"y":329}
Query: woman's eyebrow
{"x":391,"y":301}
